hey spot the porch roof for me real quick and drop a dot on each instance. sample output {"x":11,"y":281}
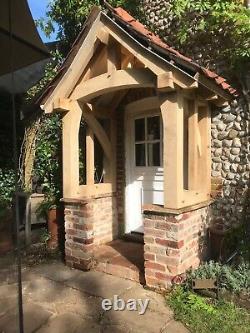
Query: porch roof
{"x":141,"y":35}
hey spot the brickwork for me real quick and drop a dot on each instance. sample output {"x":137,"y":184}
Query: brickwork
{"x":173,"y":243}
{"x":88,"y":223}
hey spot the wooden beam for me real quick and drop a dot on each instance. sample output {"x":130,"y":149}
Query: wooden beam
{"x":113,"y":56}
{"x":70,"y":141}
{"x":172,"y":116}
{"x":165,"y":81}
{"x":118,"y":80}
{"x":61,"y":104}
{"x":90,"y":157}
{"x":151,"y":61}
{"x":103,"y":35}
{"x":144,"y":104}
{"x":193,"y":144}
{"x":96,"y":127}
{"x":75,"y":70}
{"x":213,"y":87}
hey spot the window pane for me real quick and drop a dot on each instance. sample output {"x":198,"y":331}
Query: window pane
{"x":153,"y":128}
{"x":140,"y":129}
{"x":154,"y":158}
{"x":140,"y":155}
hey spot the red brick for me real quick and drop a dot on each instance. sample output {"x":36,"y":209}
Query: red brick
{"x":83,"y":241}
{"x":154,"y":265}
{"x":167,"y":260}
{"x":163,"y":277}
{"x":85,"y":226}
{"x":153,"y":232}
{"x":168,"y":243}
{"x":70,"y":232}
{"x":149,"y":256}
{"x":149,"y":240}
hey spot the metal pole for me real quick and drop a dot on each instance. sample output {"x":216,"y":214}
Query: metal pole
{"x":15,"y":158}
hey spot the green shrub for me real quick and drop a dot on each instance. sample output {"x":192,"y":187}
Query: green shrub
{"x":233,"y":278}
{"x":7,"y":186}
{"x":204,"y":315}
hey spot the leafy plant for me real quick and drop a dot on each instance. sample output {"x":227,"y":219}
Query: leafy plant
{"x":7,"y":185}
{"x":47,"y":166}
{"x":204,"y":315}
{"x":45,"y":206}
{"x":70,"y":16}
{"x":233,"y":278}
{"x":45,"y":236}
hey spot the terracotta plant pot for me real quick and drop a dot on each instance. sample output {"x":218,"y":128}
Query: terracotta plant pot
{"x":6,"y":242}
{"x":217,"y":235}
{"x":53,"y":228}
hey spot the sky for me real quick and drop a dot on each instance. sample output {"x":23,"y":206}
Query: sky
{"x":38,"y":10}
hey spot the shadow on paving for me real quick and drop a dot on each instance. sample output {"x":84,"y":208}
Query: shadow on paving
{"x":59,"y":299}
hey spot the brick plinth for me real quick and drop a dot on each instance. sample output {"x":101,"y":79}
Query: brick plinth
{"x":88,"y":223}
{"x":173,"y":244}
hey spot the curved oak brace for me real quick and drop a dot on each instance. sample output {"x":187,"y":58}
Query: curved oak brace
{"x":96,"y":127}
{"x":114,"y":81}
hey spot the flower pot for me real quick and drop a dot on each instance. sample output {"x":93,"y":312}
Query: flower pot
{"x":53,"y":228}
{"x":217,"y":235}
{"x":6,"y":242}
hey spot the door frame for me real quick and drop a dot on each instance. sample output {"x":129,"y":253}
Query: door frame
{"x":142,"y":108}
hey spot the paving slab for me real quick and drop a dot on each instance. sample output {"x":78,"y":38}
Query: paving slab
{"x":67,"y":323}
{"x":100,"y":284}
{"x":150,"y":322}
{"x":157,"y":301}
{"x":56,"y":271}
{"x":34,"y":317}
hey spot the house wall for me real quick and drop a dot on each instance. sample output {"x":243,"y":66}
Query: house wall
{"x":229,"y":130}
{"x":230,"y":163}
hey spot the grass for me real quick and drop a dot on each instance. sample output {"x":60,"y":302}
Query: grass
{"x":205,"y":315}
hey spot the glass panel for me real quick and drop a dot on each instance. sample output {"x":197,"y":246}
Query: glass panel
{"x":140,"y":129}
{"x":140,"y":155}
{"x":154,"y":154}
{"x":153,"y":128}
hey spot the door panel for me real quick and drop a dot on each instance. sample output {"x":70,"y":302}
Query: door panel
{"x":144,"y":174}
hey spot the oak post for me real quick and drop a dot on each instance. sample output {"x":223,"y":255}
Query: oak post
{"x":70,"y":141}
{"x":90,"y":157}
{"x":172,"y":116}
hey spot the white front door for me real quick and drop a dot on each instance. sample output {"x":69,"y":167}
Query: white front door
{"x":144,"y":172}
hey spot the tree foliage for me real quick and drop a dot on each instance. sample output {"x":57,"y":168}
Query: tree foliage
{"x":70,"y":15}
{"x":217,"y":29}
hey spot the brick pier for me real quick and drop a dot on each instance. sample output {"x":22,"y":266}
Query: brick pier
{"x":173,"y":244}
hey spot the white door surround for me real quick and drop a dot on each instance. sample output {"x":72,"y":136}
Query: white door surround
{"x":144,"y":171}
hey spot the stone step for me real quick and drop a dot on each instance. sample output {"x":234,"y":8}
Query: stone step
{"x":134,"y":237}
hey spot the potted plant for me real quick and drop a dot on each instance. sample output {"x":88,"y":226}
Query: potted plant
{"x":48,"y":210}
{"x":218,"y":233}
{"x":6,"y":243}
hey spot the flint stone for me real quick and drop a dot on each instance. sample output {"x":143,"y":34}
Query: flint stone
{"x":217,"y":152}
{"x":227,"y":143}
{"x":226,"y":166}
{"x":228,"y":118}
{"x":232,"y":134}
{"x":235,"y":151}
{"x":217,"y":143}
{"x":233,"y":167}
{"x":222,"y":135}
{"x":221,"y":126}
{"x":236,"y":143}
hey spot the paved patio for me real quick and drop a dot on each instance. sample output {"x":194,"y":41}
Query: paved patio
{"x":61,"y":300}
